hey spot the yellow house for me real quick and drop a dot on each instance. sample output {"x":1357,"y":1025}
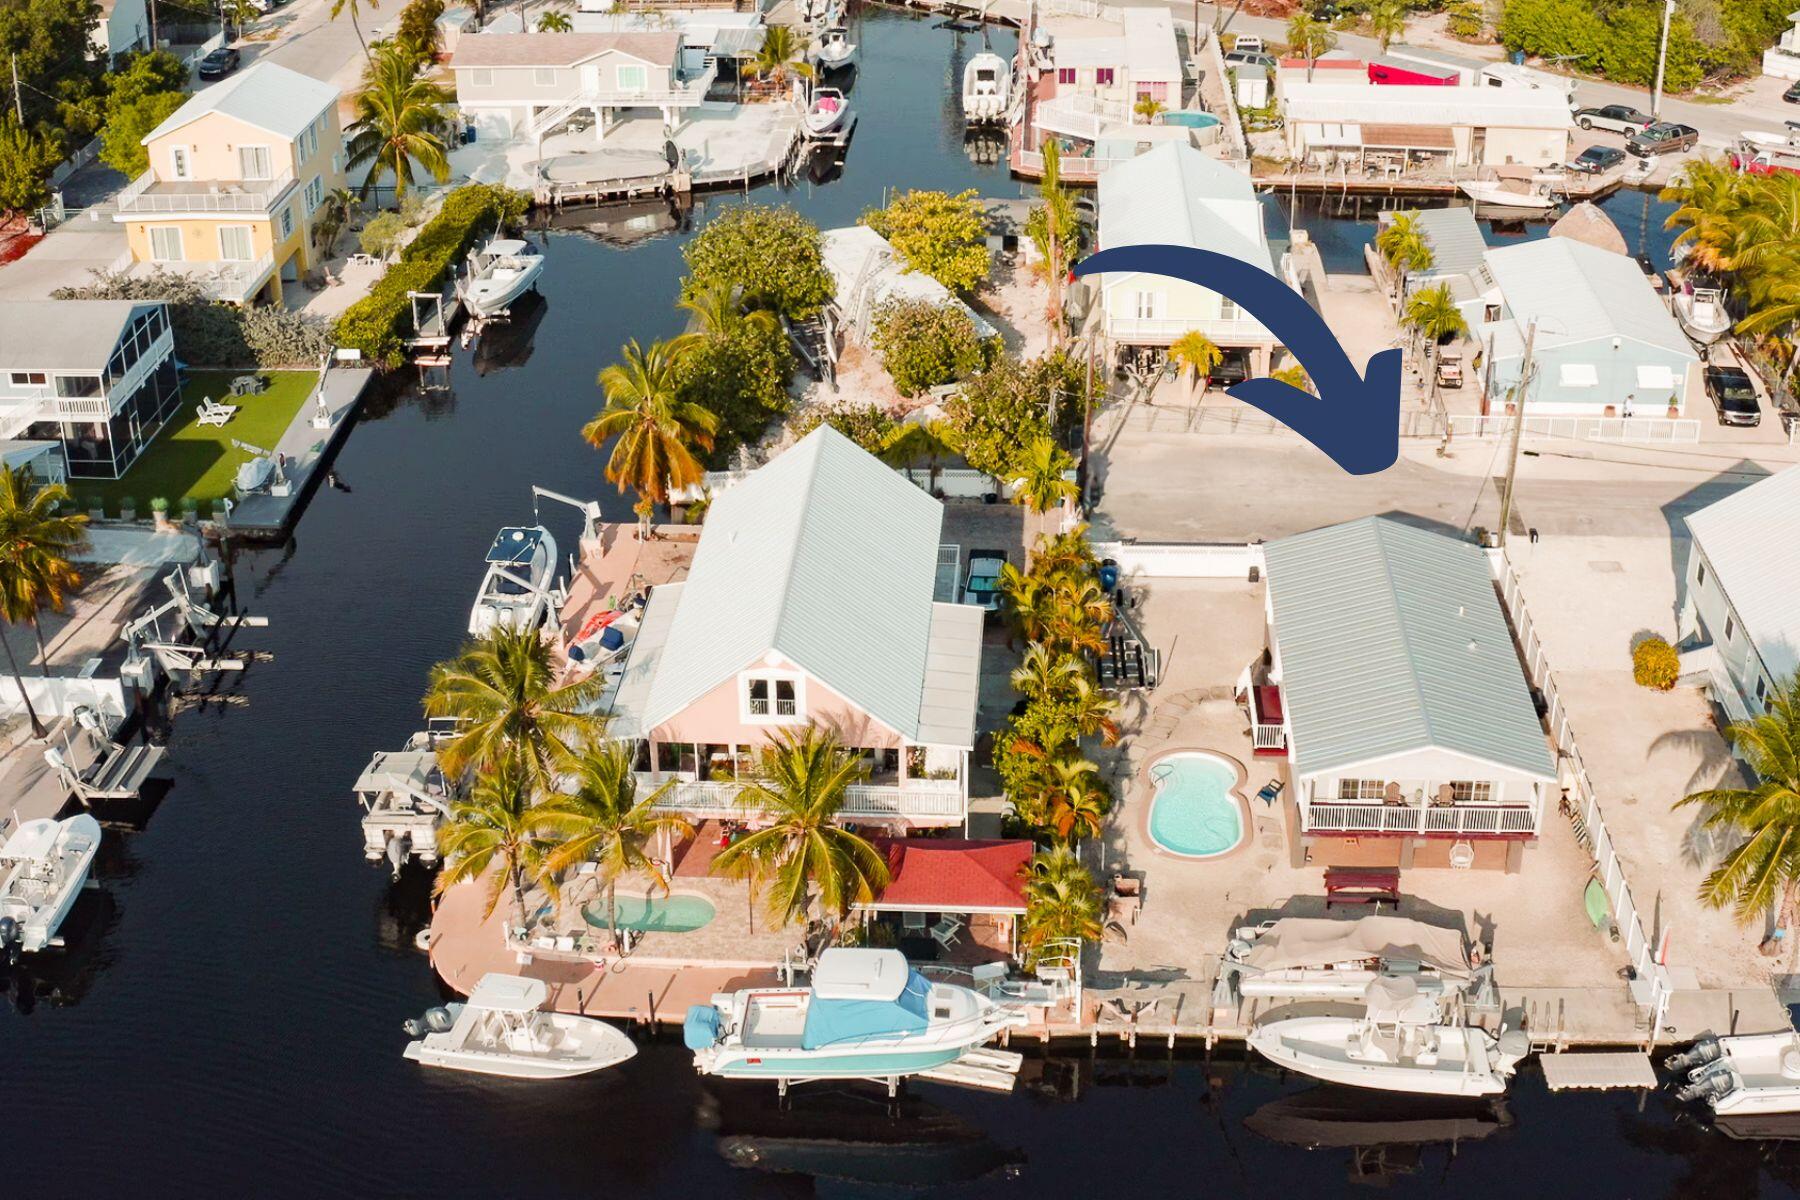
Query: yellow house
{"x":235,"y":176}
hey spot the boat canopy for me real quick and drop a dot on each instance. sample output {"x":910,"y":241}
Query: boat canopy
{"x":1301,"y":942}
{"x":33,"y":841}
{"x":832,"y":1022}
{"x":516,"y":544}
{"x":508,"y":248}
{"x":509,"y":993}
{"x":1397,"y":1000}
{"x":850,"y":974}
{"x":398,"y":770}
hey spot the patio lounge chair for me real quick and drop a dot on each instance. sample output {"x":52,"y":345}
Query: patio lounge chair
{"x":912,"y":922}
{"x":945,"y":932}
{"x":1271,"y":792}
{"x":213,"y":413}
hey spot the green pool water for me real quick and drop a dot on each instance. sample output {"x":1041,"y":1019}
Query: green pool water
{"x":655,"y":914}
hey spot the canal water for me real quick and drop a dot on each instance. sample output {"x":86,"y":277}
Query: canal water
{"x":226,"y":1019}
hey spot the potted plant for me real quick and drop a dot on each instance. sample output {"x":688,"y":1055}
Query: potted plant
{"x":1674,"y":406}
{"x":1612,"y":410}
{"x":190,"y":510}
{"x":96,"y":508}
{"x":127,"y":508}
{"x":159,"y":511}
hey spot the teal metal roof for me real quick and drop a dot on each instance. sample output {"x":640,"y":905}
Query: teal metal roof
{"x":1392,"y":641}
{"x":827,"y":559}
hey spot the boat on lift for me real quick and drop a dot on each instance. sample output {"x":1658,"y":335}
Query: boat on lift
{"x":1755,"y":1074}
{"x":1510,"y":190}
{"x":826,"y":113}
{"x":516,"y":592}
{"x":43,"y":865}
{"x":502,"y":1030}
{"x":406,"y":798}
{"x":986,"y":89}
{"x":1701,"y":310}
{"x":1318,"y":958}
{"x":834,"y":50}
{"x":1401,"y":1043}
{"x":867,"y":1014}
{"x":499,"y":273}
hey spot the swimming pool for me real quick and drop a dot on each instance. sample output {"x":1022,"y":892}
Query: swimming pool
{"x":1189,"y":118}
{"x":680,"y":913}
{"x":1193,"y":811}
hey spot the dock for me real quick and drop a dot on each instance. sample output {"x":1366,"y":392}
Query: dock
{"x":307,"y":445}
{"x":717,"y":147}
{"x":1597,"y":1071}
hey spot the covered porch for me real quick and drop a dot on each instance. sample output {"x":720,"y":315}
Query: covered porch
{"x":954,"y":901}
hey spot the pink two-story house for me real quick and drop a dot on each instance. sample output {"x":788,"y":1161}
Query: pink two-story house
{"x":811,"y":600}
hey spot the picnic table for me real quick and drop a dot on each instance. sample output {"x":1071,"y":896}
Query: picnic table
{"x":1362,"y":885}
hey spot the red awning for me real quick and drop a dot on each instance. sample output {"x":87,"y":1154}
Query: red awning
{"x":954,"y":874}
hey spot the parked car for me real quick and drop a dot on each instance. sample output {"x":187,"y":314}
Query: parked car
{"x":1663,"y":138}
{"x":1733,"y":395}
{"x":1792,"y":95}
{"x":1251,"y":58}
{"x":219,"y":63}
{"x":1596,"y":159}
{"x":1249,"y":43}
{"x":1620,"y":118}
{"x":1449,"y":369}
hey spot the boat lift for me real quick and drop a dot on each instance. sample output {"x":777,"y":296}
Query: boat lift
{"x":590,"y":520}
{"x":152,"y":644}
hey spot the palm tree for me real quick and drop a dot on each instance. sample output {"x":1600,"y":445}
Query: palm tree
{"x":1294,"y":375}
{"x":338,"y":7}
{"x":330,"y":218}
{"x":1058,"y":225}
{"x":497,"y":832}
{"x":783,"y":54}
{"x":1042,"y":480}
{"x":1195,"y":354}
{"x":1148,"y":107}
{"x":1387,"y":21}
{"x":554,"y":20}
{"x":1710,"y":202}
{"x":602,"y":820}
{"x":1029,"y":601}
{"x":716,"y":312}
{"x":1309,"y":37}
{"x":1091,"y":710}
{"x":1079,"y":613}
{"x":1065,"y":554}
{"x":503,"y":688}
{"x":399,"y":122}
{"x":1062,"y":902}
{"x":654,"y":426}
{"x":915,"y":440}
{"x":1763,"y":872}
{"x":1045,"y":677}
{"x":803,"y":781}
{"x":36,"y":541}
{"x":1404,"y":244}
{"x":1433,"y":314}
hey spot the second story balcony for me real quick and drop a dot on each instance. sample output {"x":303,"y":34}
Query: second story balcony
{"x":149,"y":196}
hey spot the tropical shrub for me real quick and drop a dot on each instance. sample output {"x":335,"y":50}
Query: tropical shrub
{"x":208,"y":334}
{"x":139,"y":96}
{"x":924,"y":345}
{"x":1467,"y":21}
{"x":743,"y":377}
{"x":381,"y":234}
{"x":864,"y":424}
{"x":1655,"y":664}
{"x":1619,"y":41}
{"x":373,"y":324}
{"x":26,"y":161}
{"x":770,"y":256}
{"x":936,"y":234}
{"x":1000,"y":412}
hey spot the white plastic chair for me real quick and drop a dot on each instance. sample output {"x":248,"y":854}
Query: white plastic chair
{"x":945,"y":932}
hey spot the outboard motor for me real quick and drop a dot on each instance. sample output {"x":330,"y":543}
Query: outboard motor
{"x":397,"y":847}
{"x":435,"y":1020}
{"x":1705,"y":1051}
{"x":10,"y":937}
{"x":1715,"y":1085}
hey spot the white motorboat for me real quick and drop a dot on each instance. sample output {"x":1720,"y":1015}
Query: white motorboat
{"x":826,"y":113}
{"x":1508,"y":193}
{"x":499,"y":273}
{"x":986,"y":89}
{"x":1400,"y":1044}
{"x":500,"y":1030}
{"x":1752,"y":1074}
{"x":406,"y":799}
{"x":42,"y":868}
{"x":516,"y":592}
{"x":1318,"y":958}
{"x":1701,"y":311}
{"x":866,"y":1015}
{"x":834,"y":50}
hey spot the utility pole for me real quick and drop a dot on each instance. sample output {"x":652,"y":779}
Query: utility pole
{"x":18,"y":103}
{"x":1662,"y":59}
{"x":1512,"y":467}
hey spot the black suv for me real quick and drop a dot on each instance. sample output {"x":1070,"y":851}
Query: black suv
{"x":219,"y":63}
{"x":1733,"y":395}
{"x":1663,"y":138}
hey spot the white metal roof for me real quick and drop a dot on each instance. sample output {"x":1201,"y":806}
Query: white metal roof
{"x":858,"y":257}
{"x":265,"y":94}
{"x":1580,"y":292}
{"x":1150,"y":49}
{"x":1391,"y":641}
{"x":1425,"y":104}
{"x":827,"y":559}
{"x":509,"y":993}
{"x":1752,"y":540}
{"x":1180,"y":196}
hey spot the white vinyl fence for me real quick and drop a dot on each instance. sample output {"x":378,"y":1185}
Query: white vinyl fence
{"x":1537,"y":670}
{"x":1182,"y":560}
{"x":1648,"y":430}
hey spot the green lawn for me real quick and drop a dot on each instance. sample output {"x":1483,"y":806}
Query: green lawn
{"x":187,"y":461}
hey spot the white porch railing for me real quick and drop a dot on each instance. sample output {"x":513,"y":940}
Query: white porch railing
{"x":1166,"y":329}
{"x":1268,"y":737}
{"x":1406,"y":818}
{"x":225,"y":196}
{"x":1073,"y":168}
{"x":1079,"y":116}
{"x":1658,"y":430}
{"x":683,"y":95}
{"x":934,"y":800}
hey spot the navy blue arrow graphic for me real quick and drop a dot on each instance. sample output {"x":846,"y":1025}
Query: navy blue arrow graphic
{"x":1355,"y":418}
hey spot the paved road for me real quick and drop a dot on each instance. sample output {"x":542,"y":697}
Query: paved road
{"x":314,"y":44}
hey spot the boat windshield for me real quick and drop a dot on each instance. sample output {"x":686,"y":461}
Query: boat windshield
{"x":832,"y":1022}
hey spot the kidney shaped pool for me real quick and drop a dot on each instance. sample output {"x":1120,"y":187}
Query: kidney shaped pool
{"x":1193,"y":811}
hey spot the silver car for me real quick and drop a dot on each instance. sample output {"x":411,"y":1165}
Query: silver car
{"x":1620,"y":118}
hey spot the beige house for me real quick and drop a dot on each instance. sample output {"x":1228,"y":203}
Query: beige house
{"x":1177,"y":195}
{"x":524,"y":85}
{"x":235,"y":176}
{"x":1411,"y":126}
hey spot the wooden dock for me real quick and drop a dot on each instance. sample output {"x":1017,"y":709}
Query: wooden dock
{"x":1597,"y":1071}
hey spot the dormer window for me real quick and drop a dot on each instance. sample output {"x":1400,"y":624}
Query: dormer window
{"x":772,"y":697}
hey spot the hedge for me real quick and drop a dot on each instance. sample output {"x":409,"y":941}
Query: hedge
{"x":374,"y":324}
{"x":1655,"y":664}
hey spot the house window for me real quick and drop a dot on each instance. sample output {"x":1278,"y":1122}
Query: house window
{"x":1153,"y":91}
{"x":633,"y":79}
{"x":544,"y":76}
{"x":254,"y":162}
{"x":315,"y":192}
{"x":29,"y":379}
{"x":1578,"y":375}
{"x":1730,"y":626}
{"x":1471,"y":791}
{"x":481,"y":77}
{"x":1228,"y":309}
{"x":1700,"y":574}
{"x":77,"y":386}
{"x":771,"y":697}
{"x":1760,"y":687}
{"x":165,"y":243}
{"x":1103,"y":76}
{"x":234,"y":243}
{"x":287,"y":220}
{"x":178,"y":162}
{"x":1148,"y":306}
{"x":1361,"y":789}
{"x":1065,"y":75}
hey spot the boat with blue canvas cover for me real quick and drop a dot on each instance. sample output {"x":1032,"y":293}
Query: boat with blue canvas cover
{"x":516,"y":592}
{"x":866,"y":1015}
